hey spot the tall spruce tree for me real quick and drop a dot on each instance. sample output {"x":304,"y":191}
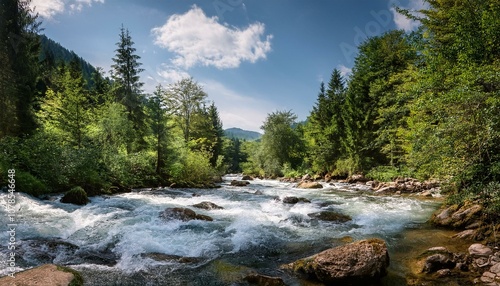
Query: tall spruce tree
{"x":19,"y":51}
{"x":125,"y":73}
{"x":325,"y":125}
{"x":157,"y":107}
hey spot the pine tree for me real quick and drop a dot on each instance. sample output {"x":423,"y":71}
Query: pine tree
{"x":217,"y":134}
{"x":158,"y":115}
{"x":65,"y":110}
{"x":19,"y":52}
{"x":125,"y":74}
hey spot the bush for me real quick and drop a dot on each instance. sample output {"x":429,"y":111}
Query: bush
{"x":27,"y":183}
{"x":76,"y":195}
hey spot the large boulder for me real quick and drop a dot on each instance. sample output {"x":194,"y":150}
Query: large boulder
{"x":208,"y":206}
{"x":246,"y":178}
{"x":330,"y":216}
{"x":183,"y":214}
{"x":76,"y":195}
{"x":358,"y":262}
{"x":309,"y":185}
{"x":294,"y":200}
{"x":236,"y":183}
{"x":45,"y":275}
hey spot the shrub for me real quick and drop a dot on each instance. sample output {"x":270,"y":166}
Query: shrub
{"x":27,"y":183}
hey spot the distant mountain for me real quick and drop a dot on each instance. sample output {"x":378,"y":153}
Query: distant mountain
{"x":242,"y":134}
{"x":54,"y":53}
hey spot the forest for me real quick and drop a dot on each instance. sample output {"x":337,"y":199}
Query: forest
{"x":424,"y":104}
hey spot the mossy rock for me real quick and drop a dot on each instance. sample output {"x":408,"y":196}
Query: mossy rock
{"x":77,"y":281}
{"x":76,"y":196}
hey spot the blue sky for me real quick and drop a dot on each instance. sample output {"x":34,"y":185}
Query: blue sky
{"x":252,"y":57}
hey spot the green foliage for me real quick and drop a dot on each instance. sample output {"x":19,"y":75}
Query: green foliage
{"x":185,"y":98}
{"x":194,"y":169}
{"x":388,"y":173}
{"x":281,"y":143}
{"x":27,"y":183}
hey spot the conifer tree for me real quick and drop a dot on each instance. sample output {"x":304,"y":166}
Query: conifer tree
{"x":125,"y":74}
{"x":19,"y":52}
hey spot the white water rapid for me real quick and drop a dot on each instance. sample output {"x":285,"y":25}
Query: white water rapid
{"x":108,"y":240}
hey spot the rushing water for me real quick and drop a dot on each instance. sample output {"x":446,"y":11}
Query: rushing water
{"x":106,"y":240}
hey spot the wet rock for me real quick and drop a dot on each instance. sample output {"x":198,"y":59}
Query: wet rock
{"x":437,"y":262}
{"x":387,"y":190}
{"x":247,"y":178}
{"x":183,"y":214}
{"x":466,"y":234}
{"x":330,"y":216}
{"x":478,"y":250}
{"x":236,"y":183}
{"x":208,"y":206}
{"x":76,"y":196}
{"x":443,"y":273}
{"x":169,"y":257}
{"x":358,"y":262}
{"x":45,"y":275}
{"x":306,"y":177}
{"x":495,"y":269}
{"x":309,"y":185}
{"x":294,"y":200}
{"x":357,"y":179}
{"x":258,"y":193}
{"x":456,"y":217}
{"x":263,"y":280}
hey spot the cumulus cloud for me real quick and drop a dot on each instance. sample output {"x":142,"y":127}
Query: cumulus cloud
{"x":49,"y":8}
{"x":407,"y":24}
{"x":200,"y":40}
{"x":171,"y":74}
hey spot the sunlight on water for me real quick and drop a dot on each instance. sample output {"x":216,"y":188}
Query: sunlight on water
{"x":127,"y":226}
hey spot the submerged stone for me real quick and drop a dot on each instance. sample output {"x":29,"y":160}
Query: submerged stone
{"x":330,"y":216}
{"x":45,"y":275}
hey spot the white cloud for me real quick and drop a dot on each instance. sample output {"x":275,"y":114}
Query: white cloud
{"x":407,"y":24}
{"x":49,"y":8}
{"x":235,"y":109}
{"x":198,"y":39}
{"x":171,"y":74}
{"x":344,"y":71}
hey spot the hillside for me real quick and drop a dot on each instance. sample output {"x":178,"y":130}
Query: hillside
{"x":54,"y":53}
{"x":242,"y":134}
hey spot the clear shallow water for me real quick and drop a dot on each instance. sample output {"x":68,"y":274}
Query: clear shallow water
{"x":252,"y":232}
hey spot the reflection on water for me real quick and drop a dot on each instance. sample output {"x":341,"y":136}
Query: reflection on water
{"x":253,"y":232}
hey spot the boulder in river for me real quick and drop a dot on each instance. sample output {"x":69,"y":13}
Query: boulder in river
{"x":208,"y":206}
{"x":237,"y":183}
{"x":294,"y":200}
{"x":183,"y":214}
{"x":45,"y":275}
{"x":76,"y":195}
{"x":354,"y":263}
{"x":330,"y":216}
{"x":309,"y":185}
{"x":246,"y":178}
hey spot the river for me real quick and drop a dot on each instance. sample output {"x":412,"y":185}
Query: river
{"x":108,"y":240}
